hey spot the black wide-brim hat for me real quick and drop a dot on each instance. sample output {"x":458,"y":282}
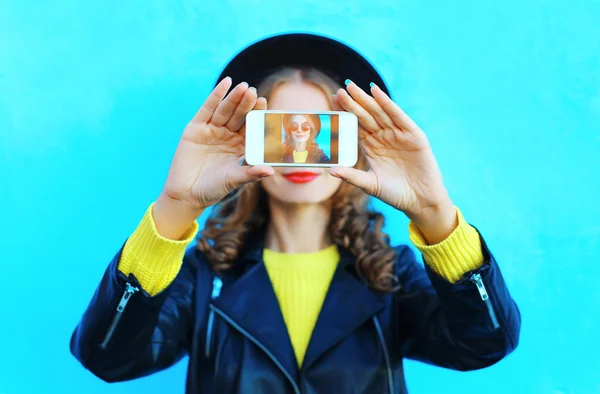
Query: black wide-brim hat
{"x":302,"y":50}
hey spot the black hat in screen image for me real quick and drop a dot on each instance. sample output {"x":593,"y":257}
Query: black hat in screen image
{"x":302,"y":50}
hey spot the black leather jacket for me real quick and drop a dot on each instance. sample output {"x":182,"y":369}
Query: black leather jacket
{"x":233,"y":331}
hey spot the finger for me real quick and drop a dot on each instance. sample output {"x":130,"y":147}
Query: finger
{"x":226,"y":107}
{"x":212,"y":102}
{"x":365,"y":180}
{"x":369,"y":103}
{"x":245,"y":105}
{"x":261,"y":104}
{"x":337,"y":106}
{"x":246,"y":174}
{"x":335,"y":103}
{"x":364,"y":117}
{"x":395,"y":113}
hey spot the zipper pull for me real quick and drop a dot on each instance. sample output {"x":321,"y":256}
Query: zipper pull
{"x":216,"y":290}
{"x":129,"y":291}
{"x":476,"y":278}
{"x":217,"y":285}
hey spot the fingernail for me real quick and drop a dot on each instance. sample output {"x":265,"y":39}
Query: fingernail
{"x":244,"y":83}
{"x":347,"y":82}
{"x":253,"y":88}
{"x":372,"y":84}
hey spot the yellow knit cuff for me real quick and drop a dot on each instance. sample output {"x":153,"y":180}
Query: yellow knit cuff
{"x":154,"y":260}
{"x":456,"y":255}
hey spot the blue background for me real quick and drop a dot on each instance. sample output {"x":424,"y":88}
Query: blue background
{"x":324,"y":137}
{"x":94,"y":96}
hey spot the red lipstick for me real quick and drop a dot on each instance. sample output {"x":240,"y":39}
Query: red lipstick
{"x":300,"y":176}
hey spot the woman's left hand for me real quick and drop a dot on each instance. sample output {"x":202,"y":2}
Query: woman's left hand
{"x":404,"y":172}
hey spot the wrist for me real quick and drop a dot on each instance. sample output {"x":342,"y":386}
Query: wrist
{"x":173,"y":218}
{"x":436,"y":223}
{"x":178,"y":207}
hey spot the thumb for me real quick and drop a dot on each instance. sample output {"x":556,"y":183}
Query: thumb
{"x":246,"y":174}
{"x":363,"y":179}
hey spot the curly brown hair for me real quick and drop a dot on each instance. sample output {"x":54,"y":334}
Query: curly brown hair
{"x":353,"y":226}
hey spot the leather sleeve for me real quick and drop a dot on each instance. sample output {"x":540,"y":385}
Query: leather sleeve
{"x":450,"y":325}
{"x":151,"y":333}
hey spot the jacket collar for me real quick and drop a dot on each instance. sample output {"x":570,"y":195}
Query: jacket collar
{"x":249,"y":299}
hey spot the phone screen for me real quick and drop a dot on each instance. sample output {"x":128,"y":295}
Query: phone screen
{"x":301,"y":138}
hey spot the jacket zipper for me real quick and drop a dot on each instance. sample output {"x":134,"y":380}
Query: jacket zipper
{"x":216,"y":290}
{"x":129,"y":291}
{"x":386,"y":356}
{"x":257,"y":343}
{"x":478,"y":280}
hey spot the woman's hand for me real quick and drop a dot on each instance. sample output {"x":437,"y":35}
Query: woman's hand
{"x":404,"y":172}
{"x":207,"y":162}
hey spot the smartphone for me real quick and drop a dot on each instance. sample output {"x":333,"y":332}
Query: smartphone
{"x":301,"y":138}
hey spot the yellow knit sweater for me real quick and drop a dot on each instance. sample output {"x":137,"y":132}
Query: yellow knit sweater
{"x":301,"y":280}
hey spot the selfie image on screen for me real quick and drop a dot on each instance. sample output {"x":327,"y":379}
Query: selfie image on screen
{"x":301,"y":138}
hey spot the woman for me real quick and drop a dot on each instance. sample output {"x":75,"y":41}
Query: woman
{"x":293,"y":287}
{"x":299,"y":146}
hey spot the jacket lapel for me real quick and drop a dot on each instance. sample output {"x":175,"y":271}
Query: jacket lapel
{"x":250,"y":301}
{"x":349,"y":304}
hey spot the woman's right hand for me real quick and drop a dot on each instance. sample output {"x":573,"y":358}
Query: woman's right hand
{"x":207,"y":163}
